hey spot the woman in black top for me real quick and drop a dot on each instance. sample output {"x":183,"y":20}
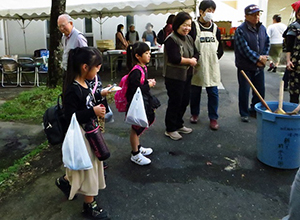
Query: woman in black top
{"x":181,"y":57}
{"x":121,"y":43}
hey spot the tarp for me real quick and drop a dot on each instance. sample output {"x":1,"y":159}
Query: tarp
{"x":40,"y":10}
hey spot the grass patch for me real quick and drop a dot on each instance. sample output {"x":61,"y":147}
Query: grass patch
{"x":11,"y":172}
{"x":29,"y":106}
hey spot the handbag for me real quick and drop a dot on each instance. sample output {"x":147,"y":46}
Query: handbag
{"x":154,"y":102}
{"x":136,"y":114}
{"x":74,"y":151}
{"x":94,"y":136}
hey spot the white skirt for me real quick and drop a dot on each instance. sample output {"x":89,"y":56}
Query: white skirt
{"x":87,"y":182}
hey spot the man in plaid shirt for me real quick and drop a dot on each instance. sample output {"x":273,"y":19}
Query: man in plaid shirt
{"x":251,"y":46}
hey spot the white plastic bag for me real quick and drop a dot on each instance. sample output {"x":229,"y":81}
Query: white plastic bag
{"x":75,"y":154}
{"x":136,"y":114}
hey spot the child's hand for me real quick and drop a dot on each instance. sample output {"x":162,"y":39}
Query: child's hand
{"x":105,"y":92}
{"x":100,"y":110}
{"x":151,"y":82}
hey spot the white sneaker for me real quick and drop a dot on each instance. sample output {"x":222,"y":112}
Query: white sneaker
{"x":146,"y":151}
{"x":174,"y":135}
{"x":140,"y":159}
{"x":184,"y":130}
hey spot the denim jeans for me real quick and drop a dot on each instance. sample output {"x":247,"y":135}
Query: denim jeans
{"x":179,"y":96}
{"x":212,"y":104}
{"x":258,"y":80}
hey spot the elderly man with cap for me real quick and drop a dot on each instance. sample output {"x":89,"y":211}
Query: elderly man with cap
{"x":252,"y":45}
{"x":71,"y":38}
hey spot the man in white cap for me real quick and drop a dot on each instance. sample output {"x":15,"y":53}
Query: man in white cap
{"x":251,"y":46}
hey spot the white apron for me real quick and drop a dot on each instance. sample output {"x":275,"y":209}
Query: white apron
{"x":207,"y":70}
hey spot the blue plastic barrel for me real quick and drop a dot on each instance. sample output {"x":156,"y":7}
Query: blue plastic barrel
{"x":278,"y":136}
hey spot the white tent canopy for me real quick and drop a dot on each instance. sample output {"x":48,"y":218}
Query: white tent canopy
{"x":40,"y":10}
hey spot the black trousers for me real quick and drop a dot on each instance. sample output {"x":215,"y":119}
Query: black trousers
{"x":179,"y":96}
{"x":286,"y":78}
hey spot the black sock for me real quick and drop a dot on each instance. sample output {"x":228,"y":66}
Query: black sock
{"x":135,"y":153}
{"x":139,"y":146}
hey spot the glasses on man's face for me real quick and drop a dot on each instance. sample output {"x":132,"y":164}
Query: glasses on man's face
{"x":256,"y":14}
{"x":62,"y":25}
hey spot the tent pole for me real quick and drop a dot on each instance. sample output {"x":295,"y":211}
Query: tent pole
{"x":24,"y":36}
{"x":23,"y":27}
{"x":5,"y":29}
{"x":101,"y":27}
{"x":100,"y":22}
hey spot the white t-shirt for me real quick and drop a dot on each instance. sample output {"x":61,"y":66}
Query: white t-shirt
{"x":275,"y":32}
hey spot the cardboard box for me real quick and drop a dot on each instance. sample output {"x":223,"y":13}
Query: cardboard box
{"x":104,"y":45}
{"x":226,"y":25}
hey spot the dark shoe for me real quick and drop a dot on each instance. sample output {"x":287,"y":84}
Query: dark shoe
{"x":63,"y":185}
{"x":245,"y":119}
{"x":194,"y":119}
{"x":214,"y":124}
{"x":105,"y":165}
{"x":271,"y":66}
{"x":252,"y":113}
{"x":274,"y":70}
{"x":92,"y":210}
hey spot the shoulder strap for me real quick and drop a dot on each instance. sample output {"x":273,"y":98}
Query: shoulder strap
{"x":96,"y":84}
{"x":215,"y":29}
{"x":198,"y":29}
{"x":142,"y":71}
{"x":197,"y":25}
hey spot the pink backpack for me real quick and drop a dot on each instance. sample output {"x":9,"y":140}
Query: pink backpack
{"x":120,"y":96}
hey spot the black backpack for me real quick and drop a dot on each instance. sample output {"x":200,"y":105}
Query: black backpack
{"x":54,"y":123}
{"x":161,"y":36}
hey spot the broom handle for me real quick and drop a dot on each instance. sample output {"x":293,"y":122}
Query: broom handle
{"x":281,"y":88}
{"x":256,"y":92}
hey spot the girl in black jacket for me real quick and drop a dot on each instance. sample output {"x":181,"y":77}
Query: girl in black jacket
{"x":138,"y":55}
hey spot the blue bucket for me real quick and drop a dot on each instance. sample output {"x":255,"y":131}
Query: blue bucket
{"x":278,"y":136}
